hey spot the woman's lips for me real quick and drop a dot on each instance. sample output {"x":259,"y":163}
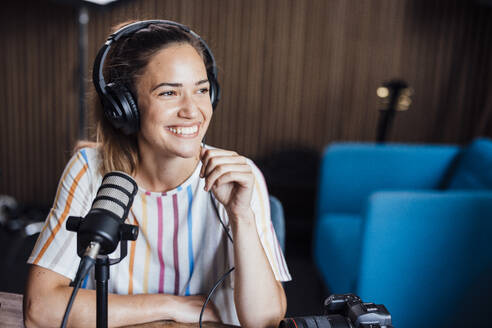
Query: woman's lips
{"x":184,"y":131}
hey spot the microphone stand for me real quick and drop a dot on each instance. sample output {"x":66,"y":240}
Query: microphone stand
{"x":126,"y":232}
{"x":102,"y":277}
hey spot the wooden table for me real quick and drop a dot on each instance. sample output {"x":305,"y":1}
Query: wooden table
{"x":11,"y":316}
{"x":11,"y":310}
{"x":172,"y":324}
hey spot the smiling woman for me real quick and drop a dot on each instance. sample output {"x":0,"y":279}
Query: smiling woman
{"x":200,"y":210}
{"x":129,"y":58}
{"x":175,"y":112}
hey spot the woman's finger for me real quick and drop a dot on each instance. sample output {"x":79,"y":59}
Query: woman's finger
{"x":207,"y":154}
{"x":216,"y":161}
{"x":244,"y":179}
{"x":229,"y":170}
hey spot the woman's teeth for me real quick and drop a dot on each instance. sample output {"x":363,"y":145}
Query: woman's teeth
{"x":185,"y":130}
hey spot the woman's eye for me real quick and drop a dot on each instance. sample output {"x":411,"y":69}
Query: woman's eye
{"x":167,"y":93}
{"x":203,"y":90}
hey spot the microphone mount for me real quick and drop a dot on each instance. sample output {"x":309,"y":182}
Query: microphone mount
{"x":107,"y":237}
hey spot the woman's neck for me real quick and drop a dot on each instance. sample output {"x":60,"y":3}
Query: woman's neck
{"x":161,"y":174}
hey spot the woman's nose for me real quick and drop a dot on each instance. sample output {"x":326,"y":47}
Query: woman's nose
{"x":188,"y":107}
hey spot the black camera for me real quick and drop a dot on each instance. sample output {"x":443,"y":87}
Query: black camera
{"x":344,"y":311}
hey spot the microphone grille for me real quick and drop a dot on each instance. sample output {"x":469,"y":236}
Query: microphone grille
{"x":120,"y":179}
{"x":111,"y":192}
{"x":116,"y":194}
{"x":109,"y":205}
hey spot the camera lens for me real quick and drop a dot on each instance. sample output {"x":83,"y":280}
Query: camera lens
{"x":330,"y":321}
{"x":298,"y":322}
{"x":288,"y":323}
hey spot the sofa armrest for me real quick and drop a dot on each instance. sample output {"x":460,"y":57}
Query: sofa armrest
{"x":350,"y":172}
{"x":429,"y":204}
{"x":430,"y":246}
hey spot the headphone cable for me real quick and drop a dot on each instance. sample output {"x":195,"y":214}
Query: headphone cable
{"x":220,"y":219}
{"x":212,"y":291}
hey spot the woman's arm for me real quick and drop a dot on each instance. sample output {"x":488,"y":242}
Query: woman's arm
{"x":259,"y":297}
{"x":47,"y":295}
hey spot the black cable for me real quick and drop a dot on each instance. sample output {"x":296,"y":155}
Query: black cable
{"x":70,"y":303}
{"x":211,"y":292}
{"x":85,"y":265}
{"x":220,"y":219}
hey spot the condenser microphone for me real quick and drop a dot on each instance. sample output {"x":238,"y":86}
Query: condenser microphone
{"x":103,"y":225}
{"x":101,"y":230}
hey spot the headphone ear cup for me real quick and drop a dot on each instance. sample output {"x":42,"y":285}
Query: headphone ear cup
{"x":133,"y":117}
{"x":122,"y":110}
{"x":214,"y":90}
{"x":112,"y":106}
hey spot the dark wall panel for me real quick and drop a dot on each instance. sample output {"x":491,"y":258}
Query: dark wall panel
{"x":38,"y":101}
{"x":293,"y":74}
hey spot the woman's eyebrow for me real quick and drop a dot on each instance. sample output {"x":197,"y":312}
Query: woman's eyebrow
{"x":169,"y":84}
{"x":201,"y":81}
{"x":176,"y":85}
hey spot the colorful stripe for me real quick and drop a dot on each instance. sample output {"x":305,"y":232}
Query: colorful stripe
{"x":132,"y":258}
{"x":84,"y":154}
{"x":264,"y":227}
{"x":190,"y":240}
{"x":147,"y":252}
{"x":62,"y":250}
{"x":175,"y":244}
{"x":64,"y":215}
{"x":60,"y":187}
{"x":159,"y":243}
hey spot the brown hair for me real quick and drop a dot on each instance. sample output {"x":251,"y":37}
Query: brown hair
{"x":127,"y":60}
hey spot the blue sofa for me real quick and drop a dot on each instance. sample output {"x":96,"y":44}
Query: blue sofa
{"x":409,"y":226}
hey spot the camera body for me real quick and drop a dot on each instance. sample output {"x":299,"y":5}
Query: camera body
{"x":344,"y":311}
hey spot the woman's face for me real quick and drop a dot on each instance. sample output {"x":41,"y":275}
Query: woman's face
{"x":174,"y":102}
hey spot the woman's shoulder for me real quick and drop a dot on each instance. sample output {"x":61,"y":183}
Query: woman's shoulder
{"x":90,"y":155}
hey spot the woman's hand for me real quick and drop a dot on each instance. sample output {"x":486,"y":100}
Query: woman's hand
{"x":230,"y":178}
{"x":187,"y":309}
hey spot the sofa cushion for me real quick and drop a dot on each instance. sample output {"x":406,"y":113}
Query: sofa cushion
{"x":474,"y":169}
{"x":336,"y":250}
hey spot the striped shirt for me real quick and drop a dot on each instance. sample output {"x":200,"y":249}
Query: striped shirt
{"x":182,"y":248}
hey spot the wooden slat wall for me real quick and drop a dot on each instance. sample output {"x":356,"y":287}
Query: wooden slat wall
{"x":294,"y":73}
{"x":38,"y":97}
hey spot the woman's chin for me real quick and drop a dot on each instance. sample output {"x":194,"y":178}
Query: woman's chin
{"x":188,"y":151}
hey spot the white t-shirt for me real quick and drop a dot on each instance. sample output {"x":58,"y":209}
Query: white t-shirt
{"x":182,"y":248}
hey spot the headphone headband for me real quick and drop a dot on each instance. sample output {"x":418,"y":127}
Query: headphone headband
{"x":118,"y":103}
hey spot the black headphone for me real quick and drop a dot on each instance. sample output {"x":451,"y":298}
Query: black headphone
{"x":118,"y":103}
